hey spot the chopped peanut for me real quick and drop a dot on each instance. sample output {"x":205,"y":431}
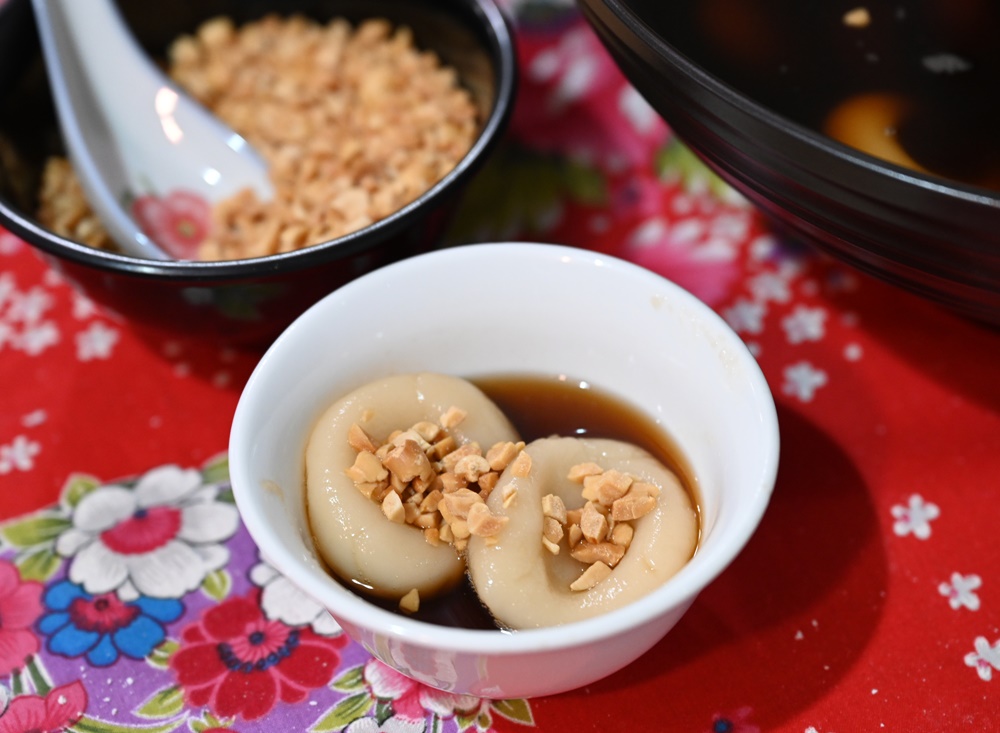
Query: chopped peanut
{"x":590,"y":552}
{"x":392,"y":507}
{"x":372,"y":489}
{"x":460,"y":529}
{"x":552,"y":530}
{"x":401,"y":437}
{"x":359,"y":440}
{"x":521,"y":466}
{"x":580,"y":471}
{"x":408,"y":461}
{"x":487,"y":482}
{"x":427,"y":520}
{"x":472,"y":467}
{"x":432,"y":536}
{"x":591,"y":577}
{"x":501,"y":454}
{"x":427,"y":430}
{"x":410,"y":602}
{"x":450,"y":482}
{"x":367,"y":468}
{"x":632,"y":507}
{"x":593,"y":523}
{"x":622,"y":534}
{"x":606,"y":487}
{"x":457,"y":504}
{"x":442,"y":447}
{"x":483,"y":523}
{"x":451,"y":460}
{"x":575,"y":535}
{"x":452,"y":417}
{"x":554,"y":507}
{"x":643,"y":488}
{"x":430,"y":501}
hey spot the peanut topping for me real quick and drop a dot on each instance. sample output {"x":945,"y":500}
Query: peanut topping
{"x":483,"y":523}
{"x":581,"y":470}
{"x":410,"y":602}
{"x":521,"y":466}
{"x":452,"y":417}
{"x":500,"y":455}
{"x":591,"y":577}
{"x":554,"y":508}
{"x":367,"y":467}
{"x":359,"y":440}
{"x":422,"y":477}
{"x":392,"y":508}
{"x":599,"y":533}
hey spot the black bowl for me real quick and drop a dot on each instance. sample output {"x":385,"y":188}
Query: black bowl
{"x":933,"y":236}
{"x":244,"y":302}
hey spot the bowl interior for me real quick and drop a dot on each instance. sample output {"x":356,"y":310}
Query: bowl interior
{"x":511,"y":309}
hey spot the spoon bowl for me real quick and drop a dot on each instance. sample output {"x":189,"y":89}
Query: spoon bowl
{"x":153,"y":142}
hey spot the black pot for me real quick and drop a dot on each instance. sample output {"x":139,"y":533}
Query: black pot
{"x":933,"y":236}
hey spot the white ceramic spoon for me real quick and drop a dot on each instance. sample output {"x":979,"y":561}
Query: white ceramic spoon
{"x":134,"y":137}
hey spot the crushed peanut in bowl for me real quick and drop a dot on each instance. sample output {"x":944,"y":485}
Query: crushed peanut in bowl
{"x":355,"y":123}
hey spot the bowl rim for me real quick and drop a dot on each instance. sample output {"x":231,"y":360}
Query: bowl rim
{"x":622,"y":11}
{"x":675,"y":593}
{"x":502,"y":50}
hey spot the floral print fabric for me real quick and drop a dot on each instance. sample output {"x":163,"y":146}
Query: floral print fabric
{"x":131,"y":598}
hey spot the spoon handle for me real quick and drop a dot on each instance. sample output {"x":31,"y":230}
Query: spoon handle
{"x":132,"y":134}
{"x":89,"y":141}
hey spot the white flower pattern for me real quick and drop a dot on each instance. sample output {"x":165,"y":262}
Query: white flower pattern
{"x":985,"y":658}
{"x":770,"y":286}
{"x":394,"y":724}
{"x":802,"y":380}
{"x":159,"y":539}
{"x":960,"y":591}
{"x":915,"y":517}
{"x":19,"y":454}
{"x":282,"y":600}
{"x":804,"y":324}
{"x":746,"y":316}
{"x":96,"y":342}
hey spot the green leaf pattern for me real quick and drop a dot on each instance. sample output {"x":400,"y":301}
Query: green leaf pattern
{"x":217,"y":584}
{"x":164,"y":703}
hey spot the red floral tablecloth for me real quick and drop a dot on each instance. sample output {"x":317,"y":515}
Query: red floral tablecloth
{"x":131,"y":598}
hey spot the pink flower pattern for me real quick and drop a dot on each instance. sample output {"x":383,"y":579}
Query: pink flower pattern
{"x":178,"y":222}
{"x":56,"y":711}
{"x":20,"y":606}
{"x":413,"y":700}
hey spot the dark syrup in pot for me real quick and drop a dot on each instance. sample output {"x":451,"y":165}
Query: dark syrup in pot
{"x":803,"y":59}
{"x":540,"y":407}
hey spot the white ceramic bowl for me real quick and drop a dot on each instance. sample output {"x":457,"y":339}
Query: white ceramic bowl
{"x":498,"y":309}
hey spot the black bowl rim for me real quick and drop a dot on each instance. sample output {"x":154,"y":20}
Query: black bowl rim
{"x":826,"y":145}
{"x":503,"y":53}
